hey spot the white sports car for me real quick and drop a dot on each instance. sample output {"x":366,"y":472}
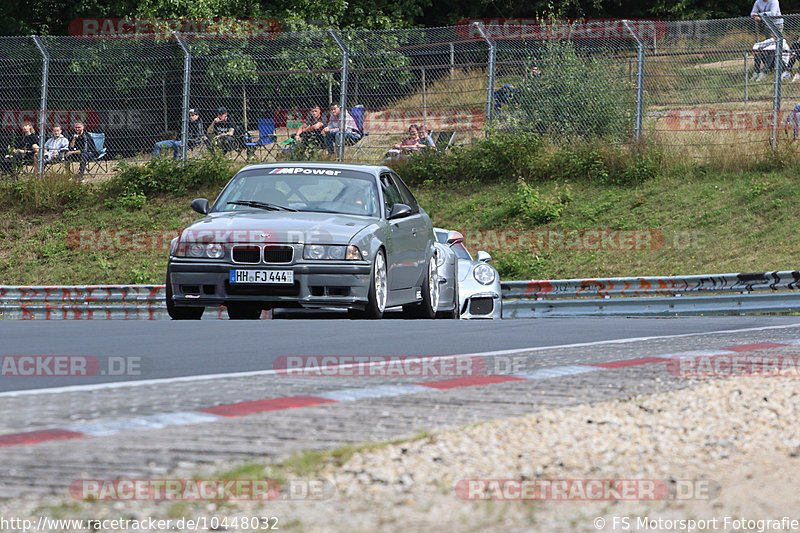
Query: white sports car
{"x":474,"y":284}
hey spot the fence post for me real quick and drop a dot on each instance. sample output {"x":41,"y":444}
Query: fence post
{"x":187,"y":71}
{"x":340,"y":135}
{"x":490,"y":75}
{"x":424,"y":98}
{"x":640,"y":50}
{"x":43,"y":102}
{"x":746,"y":80}
{"x":777,"y":33}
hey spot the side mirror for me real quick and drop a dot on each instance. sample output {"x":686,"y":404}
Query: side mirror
{"x":454,"y":237}
{"x":399,"y":211}
{"x":201,"y":205}
{"x":484,"y":257}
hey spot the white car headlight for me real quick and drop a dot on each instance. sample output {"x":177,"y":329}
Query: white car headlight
{"x":484,"y":274}
{"x":327,"y":252}
{"x":199,"y":250}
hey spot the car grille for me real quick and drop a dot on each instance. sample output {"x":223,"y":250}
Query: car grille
{"x":278,"y":254}
{"x":246,"y":254}
{"x":252,"y":254}
{"x":481,"y":306}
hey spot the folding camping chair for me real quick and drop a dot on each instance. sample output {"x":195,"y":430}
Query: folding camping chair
{"x":359,"y":115}
{"x":266,"y":138}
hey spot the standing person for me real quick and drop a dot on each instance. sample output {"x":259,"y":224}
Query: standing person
{"x":794,"y":120}
{"x":222,"y":128}
{"x":56,"y":146}
{"x":351,"y":133}
{"x":771,"y":8}
{"x":81,"y":147}
{"x":310,"y":131}
{"x":194,"y":132}
{"x":23,"y":150}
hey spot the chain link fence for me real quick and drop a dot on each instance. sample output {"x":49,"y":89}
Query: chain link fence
{"x":691,"y":85}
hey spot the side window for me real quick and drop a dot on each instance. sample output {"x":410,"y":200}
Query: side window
{"x":391,"y":195}
{"x":406,"y":195}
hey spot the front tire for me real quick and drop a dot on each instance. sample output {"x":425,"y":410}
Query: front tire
{"x":378,"y":288}
{"x":430,"y":293}
{"x":180,"y":313}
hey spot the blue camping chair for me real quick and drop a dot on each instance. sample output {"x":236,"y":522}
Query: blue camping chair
{"x":100,"y":160}
{"x":266,"y":138}
{"x":358,"y":114}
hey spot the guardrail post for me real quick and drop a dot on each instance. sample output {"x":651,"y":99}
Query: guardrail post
{"x":43,"y":102}
{"x":489,"y":75}
{"x":187,"y":72}
{"x":777,"y":33}
{"x":640,"y":54}
{"x":340,"y":136}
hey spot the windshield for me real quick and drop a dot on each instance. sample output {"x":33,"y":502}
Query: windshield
{"x":461,"y":251}
{"x":302,"y":189}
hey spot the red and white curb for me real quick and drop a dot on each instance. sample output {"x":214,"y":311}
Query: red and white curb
{"x":219,"y":412}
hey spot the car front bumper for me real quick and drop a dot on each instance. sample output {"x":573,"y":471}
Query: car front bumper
{"x":336,"y":284}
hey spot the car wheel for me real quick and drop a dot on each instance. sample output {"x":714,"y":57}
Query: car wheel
{"x":430,"y":294}
{"x":180,"y":313}
{"x":378,"y":288}
{"x":244,"y":311}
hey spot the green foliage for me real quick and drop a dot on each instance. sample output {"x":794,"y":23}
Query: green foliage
{"x":557,"y":102}
{"x":47,"y":193}
{"x":504,"y":157}
{"x":134,"y":183}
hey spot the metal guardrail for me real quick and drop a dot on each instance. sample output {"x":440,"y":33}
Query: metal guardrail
{"x":91,"y":302}
{"x":714,"y":294}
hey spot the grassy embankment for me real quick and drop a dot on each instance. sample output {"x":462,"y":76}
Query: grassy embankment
{"x":738,"y":215}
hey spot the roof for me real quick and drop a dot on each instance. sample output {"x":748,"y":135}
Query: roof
{"x":320,"y":164}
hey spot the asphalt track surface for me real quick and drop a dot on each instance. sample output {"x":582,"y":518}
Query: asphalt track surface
{"x":165,"y":349}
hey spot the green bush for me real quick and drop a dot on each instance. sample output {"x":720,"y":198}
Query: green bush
{"x":51,"y":192}
{"x":575,"y":96}
{"x":168,"y":176}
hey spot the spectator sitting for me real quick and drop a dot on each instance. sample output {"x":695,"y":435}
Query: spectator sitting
{"x":23,"y":150}
{"x":81,"y":147}
{"x":764,"y":58}
{"x":502,"y":96}
{"x":56,"y":146}
{"x":222,"y":129}
{"x":793,"y":58}
{"x":310,"y":131}
{"x":351,"y":135}
{"x":409,"y":145}
{"x":425,"y":137}
{"x":194,"y":132}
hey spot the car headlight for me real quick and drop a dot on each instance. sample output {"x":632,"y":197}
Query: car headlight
{"x":484,"y":274}
{"x":200,"y":250}
{"x":328,"y":252}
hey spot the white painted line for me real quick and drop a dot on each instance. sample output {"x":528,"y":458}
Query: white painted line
{"x":696,"y":353}
{"x":558,"y":371}
{"x":350,"y":395}
{"x":157,"y":421}
{"x":233,"y":375}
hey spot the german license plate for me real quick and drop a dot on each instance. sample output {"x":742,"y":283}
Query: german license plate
{"x":262,"y":276}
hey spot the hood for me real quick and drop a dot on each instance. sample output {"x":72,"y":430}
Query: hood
{"x":275,"y":227}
